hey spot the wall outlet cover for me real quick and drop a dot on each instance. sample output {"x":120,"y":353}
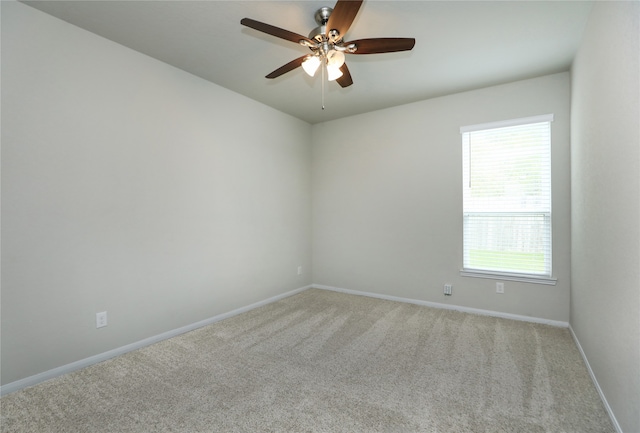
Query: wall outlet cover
{"x":101,"y":319}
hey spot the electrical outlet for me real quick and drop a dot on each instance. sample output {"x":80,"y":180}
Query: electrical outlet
{"x":101,"y":319}
{"x":448,"y":289}
{"x":299,"y":270}
{"x":499,"y":287}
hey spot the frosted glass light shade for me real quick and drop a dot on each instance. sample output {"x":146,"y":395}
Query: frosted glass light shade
{"x":335,"y":58}
{"x":333,"y":72}
{"x":310,"y":65}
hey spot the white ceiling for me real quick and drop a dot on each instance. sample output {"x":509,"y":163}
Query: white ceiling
{"x":460,"y":46}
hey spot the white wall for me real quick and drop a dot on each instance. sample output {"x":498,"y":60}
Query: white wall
{"x":133,"y":187}
{"x":605,"y":153}
{"x":387,"y":199}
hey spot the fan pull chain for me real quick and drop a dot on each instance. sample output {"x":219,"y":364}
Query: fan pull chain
{"x":322,"y":67}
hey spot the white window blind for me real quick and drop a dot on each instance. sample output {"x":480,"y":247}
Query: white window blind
{"x":507,"y":197}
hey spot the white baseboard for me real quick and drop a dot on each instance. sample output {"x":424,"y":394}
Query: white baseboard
{"x":447,"y":306}
{"x":614,"y":421}
{"x":68,"y":368}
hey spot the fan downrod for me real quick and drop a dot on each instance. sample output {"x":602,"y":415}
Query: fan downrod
{"x":322,"y":15}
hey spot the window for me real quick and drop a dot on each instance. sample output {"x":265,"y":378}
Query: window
{"x":507,"y":200}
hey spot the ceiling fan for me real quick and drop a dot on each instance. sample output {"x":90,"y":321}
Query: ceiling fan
{"x":327,"y":44}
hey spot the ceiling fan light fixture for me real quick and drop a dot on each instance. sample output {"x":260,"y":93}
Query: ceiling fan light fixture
{"x":311,"y":64}
{"x":327,"y":43}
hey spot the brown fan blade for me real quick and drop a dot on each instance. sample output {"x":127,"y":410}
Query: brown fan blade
{"x":274,"y":31}
{"x":286,"y":68}
{"x":382,"y":45}
{"x":345,"y":80}
{"x":343,"y":14}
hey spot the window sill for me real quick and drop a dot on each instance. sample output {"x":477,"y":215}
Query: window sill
{"x":523,"y":278}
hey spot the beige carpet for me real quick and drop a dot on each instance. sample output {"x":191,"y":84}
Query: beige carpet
{"x":322,"y":361}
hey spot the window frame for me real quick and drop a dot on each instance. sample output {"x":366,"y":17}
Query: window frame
{"x":503,"y":275}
